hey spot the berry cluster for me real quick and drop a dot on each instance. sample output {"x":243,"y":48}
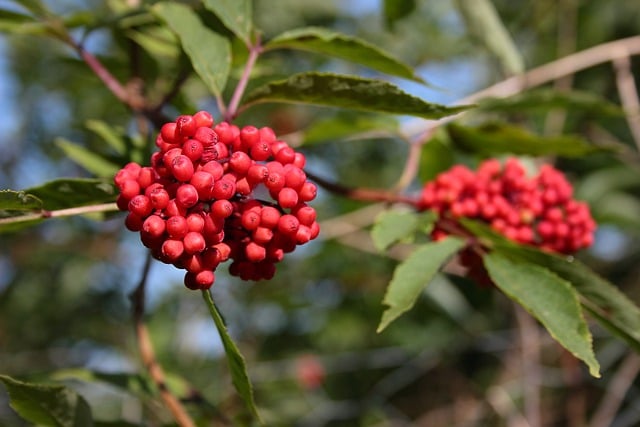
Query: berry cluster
{"x":203,"y":199}
{"x":539,"y":211}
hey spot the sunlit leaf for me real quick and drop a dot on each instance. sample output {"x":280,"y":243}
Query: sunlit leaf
{"x":236,"y":15}
{"x":393,"y":226}
{"x":344,"y":91}
{"x":550,"y":299}
{"x":498,"y":138}
{"x":600,"y":298}
{"x":210,"y":53}
{"x":413,"y":275}
{"x":324,"y":41}
{"x":485,"y":24}
{"x":51,"y":405}
{"x":236,"y":361}
{"x":88,"y":159}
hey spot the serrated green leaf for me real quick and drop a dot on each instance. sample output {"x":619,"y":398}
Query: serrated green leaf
{"x":156,"y":41}
{"x":484,"y":23}
{"x":112,"y":136}
{"x":547,"y":99}
{"x":236,"y":15}
{"x":327,"y":42}
{"x":394,"y":10}
{"x":603,"y":300}
{"x":51,"y":405}
{"x":393,"y":226}
{"x":349,"y":126}
{"x":11,"y":200}
{"x":550,"y":299}
{"x":65,"y":193}
{"x":345,"y":91}
{"x":89,"y":160}
{"x":210,"y":53}
{"x":236,"y":361}
{"x":499,"y":138}
{"x":413,"y":275}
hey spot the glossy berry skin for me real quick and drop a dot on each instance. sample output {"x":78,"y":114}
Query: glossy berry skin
{"x":538,"y":211}
{"x":196,"y":206}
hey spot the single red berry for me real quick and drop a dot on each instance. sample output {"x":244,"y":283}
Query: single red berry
{"x":269,"y":217}
{"x":172,"y":250}
{"x":187,"y":195}
{"x":221,"y":208}
{"x":154,"y":226}
{"x":249,"y":135}
{"x":203,"y":119}
{"x":250,"y":219}
{"x":186,"y":126}
{"x":140,"y":205}
{"x":168,"y":132}
{"x":288,"y":224}
{"x":260,"y":151}
{"x":193,"y":149}
{"x":182,"y":168}
{"x":240,"y":162}
{"x":255,"y":252}
{"x":257,"y":173}
{"x":195,"y":222}
{"x":177,"y":226}
{"x":193,"y":242}
{"x":224,"y":189}
{"x":288,"y":198}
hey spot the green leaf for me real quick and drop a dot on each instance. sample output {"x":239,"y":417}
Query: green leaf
{"x":112,"y":136}
{"x":498,"y":138}
{"x":236,"y":15}
{"x":236,"y":361}
{"x":393,"y":226}
{"x":413,"y":275}
{"x":65,"y":193}
{"x":347,"y":125}
{"x":547,"y":99}
{"x":394,"y":10}
{"x":51,"y":405}
{"x":11,"y":200}
{"x":435,"y":157}
{"x":346,"y":91}
{"x":327,"y":42}
{"x":484,"y":23}
{"x":158,"y":41}
{"x":550,"y":299}
{"x":210,"y":53}
{"x":604,"y":301}
{"x":88,"y":159}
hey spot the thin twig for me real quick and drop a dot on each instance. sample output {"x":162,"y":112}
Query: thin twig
{"x":363,"y":194}
{"x":530,"y":362}
{"x":44,"y":214}
{"x":616,"y":391}
{"x":254,"y":51}
{"x":628,"y":92}
{"x":554,"y":70}
{"x":148,"y":356}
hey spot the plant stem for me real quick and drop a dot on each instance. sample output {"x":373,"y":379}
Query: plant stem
{"x":363,"y":194}
{"x":254,"y":51}
{"x":44,"y":214}
{"x":148,"y":356}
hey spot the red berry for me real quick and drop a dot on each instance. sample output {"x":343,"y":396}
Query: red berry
{"x":186,"y":126}
{"x":193,"y":149}
{"x":288,"y":198}
{"x":187,"y":195}
{"x":172,"y":250}
{"x":177,"y":227}
{"x":140,"y":205}
{"x":182,"y":168}
{"x":193,"y":242}
{"x":203,"y":119}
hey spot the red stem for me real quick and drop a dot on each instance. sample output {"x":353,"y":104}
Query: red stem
{"x":254,"y":51}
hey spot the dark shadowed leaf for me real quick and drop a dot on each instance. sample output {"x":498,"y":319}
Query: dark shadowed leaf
{"x":550,"y":299}
{"x":547,"y":99}
{"x":498,"y":138}
{"x":236,"y":361}
{"x":65,"y":193}
{"x":11,"y":200}
{"x":413,"y":275}
{"x":236,"y":15}
{"x":395,"y":10}
{"x":210,"y":53}
{"x":335,"y":90}
{"x":51,"y":405}
{"x":324,"y":41}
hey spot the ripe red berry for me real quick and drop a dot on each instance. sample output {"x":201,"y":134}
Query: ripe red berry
{"x":182,"y":168}
{"x":187,"y":195}
{"x":193,"y":242}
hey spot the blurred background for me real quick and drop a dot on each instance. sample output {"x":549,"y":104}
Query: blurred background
{"x":309,"y":335}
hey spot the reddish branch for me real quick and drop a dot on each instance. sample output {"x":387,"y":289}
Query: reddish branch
{"x":148,"y":356}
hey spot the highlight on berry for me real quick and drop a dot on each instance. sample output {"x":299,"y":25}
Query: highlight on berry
{"x":216,"y":192}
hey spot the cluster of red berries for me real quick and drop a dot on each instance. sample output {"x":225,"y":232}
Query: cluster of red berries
{"x":539,"y":211}
{"x":203,"y":200}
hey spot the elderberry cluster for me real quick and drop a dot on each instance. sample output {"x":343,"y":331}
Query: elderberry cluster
{"x":204,"y":201}
{"x":539,"y":211}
